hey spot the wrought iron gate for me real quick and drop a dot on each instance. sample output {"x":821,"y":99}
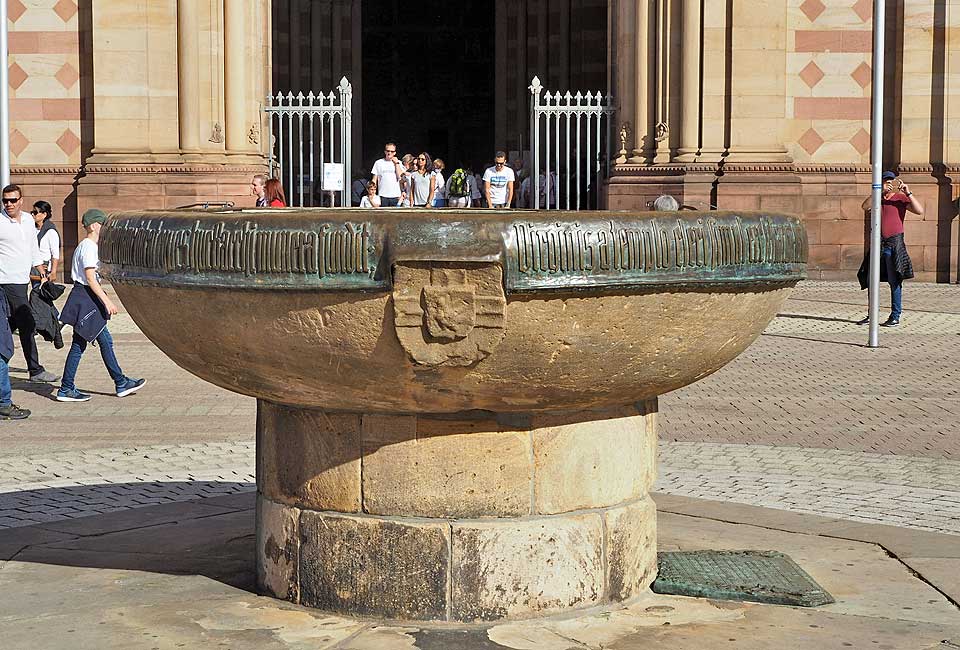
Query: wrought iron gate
{"x":305,"y":133}
{"x":580,"y":122}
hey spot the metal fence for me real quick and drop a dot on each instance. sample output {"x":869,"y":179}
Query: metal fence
{"x":572,"y":129}
{"x":306,"y":132}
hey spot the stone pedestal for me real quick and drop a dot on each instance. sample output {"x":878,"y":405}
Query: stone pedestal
{"x":457,"y":518}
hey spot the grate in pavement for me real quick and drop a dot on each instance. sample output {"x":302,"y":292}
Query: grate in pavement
{"x":757,"y":576}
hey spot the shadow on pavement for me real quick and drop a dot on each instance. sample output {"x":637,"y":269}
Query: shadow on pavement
{"x":38,"y":388}
{"x":820,"y":318}
{"x":212,"y":537}
{"x":804,"y":338}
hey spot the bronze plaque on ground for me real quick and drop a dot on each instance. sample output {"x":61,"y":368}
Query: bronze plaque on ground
{"x":756,"y":576}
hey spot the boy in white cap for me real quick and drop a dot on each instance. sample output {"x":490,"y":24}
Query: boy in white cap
{"x":88,"y":309}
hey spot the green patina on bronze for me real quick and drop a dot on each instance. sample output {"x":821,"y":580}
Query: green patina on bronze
{"x":755,"y":576}
{"x":355,"y":249}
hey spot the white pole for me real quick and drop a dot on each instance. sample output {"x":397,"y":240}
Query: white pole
{"x":4,"y":100}
{"x":876,"y":132}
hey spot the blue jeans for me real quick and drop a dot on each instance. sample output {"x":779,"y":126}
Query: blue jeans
{"x":389,"y":201}
{"x":896,"y":284}
{"x":105,"y":342}
{"x":6,"y":395}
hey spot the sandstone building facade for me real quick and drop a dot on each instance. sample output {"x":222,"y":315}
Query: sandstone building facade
{"x":726,"y":105}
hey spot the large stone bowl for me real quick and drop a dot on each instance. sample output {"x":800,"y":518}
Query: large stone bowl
{"x":456,"y":408}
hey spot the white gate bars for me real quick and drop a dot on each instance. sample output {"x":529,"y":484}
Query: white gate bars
{"x":582,"y":123}
{"x":322,"y":124}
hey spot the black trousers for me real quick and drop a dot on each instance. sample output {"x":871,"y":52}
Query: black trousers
{"x":22,"y":318}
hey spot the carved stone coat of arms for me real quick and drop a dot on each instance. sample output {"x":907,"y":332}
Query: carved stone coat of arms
{"x":448,"y":314}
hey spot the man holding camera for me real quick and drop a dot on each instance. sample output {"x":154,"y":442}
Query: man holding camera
{"x":895,"y":263}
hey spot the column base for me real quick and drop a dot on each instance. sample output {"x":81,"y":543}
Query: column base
{"x":463,"y":520}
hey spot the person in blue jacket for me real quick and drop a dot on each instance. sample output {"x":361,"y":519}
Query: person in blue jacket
{"x":88,"y":309}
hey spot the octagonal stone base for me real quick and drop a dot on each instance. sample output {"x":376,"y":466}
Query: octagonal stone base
{"x":457,"y":518}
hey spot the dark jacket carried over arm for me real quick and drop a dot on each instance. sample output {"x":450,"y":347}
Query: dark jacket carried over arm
{"x":45,"y":313}
{"x":897,"y":265}
{"x":85,"y":312}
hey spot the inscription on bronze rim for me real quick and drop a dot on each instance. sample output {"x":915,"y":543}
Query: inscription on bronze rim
{"x":595,"y":250}
{"x":545,"y":255}
{"x":333,"y":254}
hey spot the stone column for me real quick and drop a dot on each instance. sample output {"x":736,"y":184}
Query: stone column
{"x":237,"y":82}
{"x":625,"y":92}
{"x":661,"y":60}
{"x":918,"y":143}
{"x":134,"y":85}
{"x":459,"y":519}
{"x":188,"y":56}
{"x":690,"y":82}
{"x":758,"y":80}
{"x":643,"y":136}
{"x":713,"y":119}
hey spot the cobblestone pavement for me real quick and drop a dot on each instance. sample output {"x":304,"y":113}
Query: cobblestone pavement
{"x":809,"y":380}
{"x":807,"y":419}
{"x":873,"y":488}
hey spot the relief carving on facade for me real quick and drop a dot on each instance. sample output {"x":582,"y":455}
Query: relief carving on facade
{"x":448,"y":314}
{"x":625,"y":133}
{"x":253,"y":136}
{"x":662,"y":131}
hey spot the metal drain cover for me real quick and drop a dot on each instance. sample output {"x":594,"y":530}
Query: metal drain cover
{"x":756,"y":576}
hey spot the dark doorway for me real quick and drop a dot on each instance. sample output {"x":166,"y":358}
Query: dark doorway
{"x":428,"y":75}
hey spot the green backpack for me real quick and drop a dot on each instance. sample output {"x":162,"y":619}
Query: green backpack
{"x":458,"y":184}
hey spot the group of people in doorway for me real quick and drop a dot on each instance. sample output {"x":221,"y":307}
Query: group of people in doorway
{"x":29,"y":263}
{"x":418,"y":181}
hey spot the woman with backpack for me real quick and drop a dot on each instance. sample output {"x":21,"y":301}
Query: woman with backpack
{"x":458,"y":189}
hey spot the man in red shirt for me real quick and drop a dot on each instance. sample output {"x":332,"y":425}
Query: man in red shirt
{"x":895,"y":264}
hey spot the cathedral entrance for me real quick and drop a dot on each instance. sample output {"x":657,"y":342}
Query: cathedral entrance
{"x":450,"y":78}
{"x":428,"y":77}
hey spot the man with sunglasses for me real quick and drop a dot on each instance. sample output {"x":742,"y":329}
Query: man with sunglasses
{"x":387,"y":173}
{"x":498,"y":182}
{"x":19,"y":254}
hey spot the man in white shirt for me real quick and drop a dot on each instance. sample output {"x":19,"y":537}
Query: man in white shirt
{"x":19,"y":253}
{"x":387,"y":172}
{"x":498,"y":182}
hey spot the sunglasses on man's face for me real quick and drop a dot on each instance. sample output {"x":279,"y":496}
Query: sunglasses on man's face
{"x":6,"y":200}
